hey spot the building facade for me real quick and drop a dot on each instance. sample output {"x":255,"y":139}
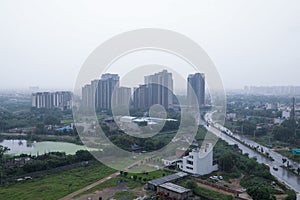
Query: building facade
{"x":173,"y":191}
{"x":196,"y":89}
{"x":106,"y":86}
{"x":122,"y":96}
{"x":157,"y":89}
{"x":141,"y":97}
{"x":61,"y":100}
{"x":103,"y":93}
{"x":160,"y":89}
{"x":99,"y":93}
{"x":199,"y":161}
{"x":87,"y":96}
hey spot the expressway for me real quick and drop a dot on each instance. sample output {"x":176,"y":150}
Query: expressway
{"x":281,"y":174}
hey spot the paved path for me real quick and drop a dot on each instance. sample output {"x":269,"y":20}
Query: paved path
{"x":70,"y":196}
{"x":73,"y":194}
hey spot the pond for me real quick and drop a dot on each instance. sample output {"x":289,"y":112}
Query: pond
{"x":31,"y":147}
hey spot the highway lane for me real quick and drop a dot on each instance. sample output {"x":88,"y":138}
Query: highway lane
{"x":282,"y":174}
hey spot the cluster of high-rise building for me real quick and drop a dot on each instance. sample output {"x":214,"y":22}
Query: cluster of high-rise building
{"x":156,"y":89}
{"x":61,"y":100}
{"x":105,"y":92}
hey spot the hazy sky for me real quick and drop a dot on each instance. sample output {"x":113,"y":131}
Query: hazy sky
{"x":44,"y":43}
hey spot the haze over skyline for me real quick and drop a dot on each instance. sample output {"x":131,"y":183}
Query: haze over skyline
{"x":251,"y":42}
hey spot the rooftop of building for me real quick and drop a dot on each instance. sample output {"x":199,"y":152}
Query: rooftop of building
{"x":204,"y":148}
{"x":175,"y":188}
{"x":128,"y":117}
{"x":169,"y":178}
{"x":172,"y":159}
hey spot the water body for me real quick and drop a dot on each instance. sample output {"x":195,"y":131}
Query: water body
{"x":34,"y":148}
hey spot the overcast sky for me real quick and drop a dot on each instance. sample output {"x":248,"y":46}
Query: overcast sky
{"x":44,"y":43}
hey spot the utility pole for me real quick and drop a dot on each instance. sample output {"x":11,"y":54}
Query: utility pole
{"x":293,"y":109}
{"x":242,"y":129}
{"x":293,"y":115}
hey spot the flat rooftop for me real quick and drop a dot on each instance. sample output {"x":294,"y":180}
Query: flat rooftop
{"x":169,"y":178}
{"x":175,"y":188}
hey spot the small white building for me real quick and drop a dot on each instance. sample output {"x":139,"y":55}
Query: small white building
{"x":278,"y":121}
{"x":199,"y":161}
{"x":270,"y":106}
{"x":127,"y":119}
{"x":231,"y":116}
{"x":286,"y":114}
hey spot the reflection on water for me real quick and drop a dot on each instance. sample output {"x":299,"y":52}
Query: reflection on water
{"x":35,"y":148}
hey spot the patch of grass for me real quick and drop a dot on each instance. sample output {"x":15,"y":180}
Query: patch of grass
{"x":142,"y":168}
{"x":206,"y":193}
{"x":67,"y":121}
{"x":55,"y":186}
{"x":107,"y":184}
{"x":226,"y":176}
{"x":132,"y":183}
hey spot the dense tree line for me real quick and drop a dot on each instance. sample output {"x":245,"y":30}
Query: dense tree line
{"x":31,"y":118}
{"x":45,"y":162}
{"x":287,"y":131}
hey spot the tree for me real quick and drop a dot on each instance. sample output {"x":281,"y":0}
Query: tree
{"x":283,"y":134}
{"x":250,"y":165}
{"x":259,"y":193}
{"x":40,"y":128}
{"x":2,"y":151}
{"x":191,"y":185}
{"x":83,"y":155}
{"x":249,"y":127}
{"x":134,"y":177}
{"x":227,"y":161}
{"x":51,"y":120}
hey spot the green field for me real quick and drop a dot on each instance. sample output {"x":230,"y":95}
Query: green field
{"x":203,"y":192}
{"x":141,"y":179}
{"x":57,"y":185}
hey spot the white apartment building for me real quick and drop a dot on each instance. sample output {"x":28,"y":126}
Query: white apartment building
{"x":199,"y":161}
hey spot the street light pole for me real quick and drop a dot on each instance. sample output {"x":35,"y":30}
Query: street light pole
{"x":242,"y":129}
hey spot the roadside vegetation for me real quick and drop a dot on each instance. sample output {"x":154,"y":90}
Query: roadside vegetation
{"x":256,"y":122}
{"x":131,"y":180}
{"x":254,"y":177}
{"x":55,"y":185}
{"x":12,"y":167}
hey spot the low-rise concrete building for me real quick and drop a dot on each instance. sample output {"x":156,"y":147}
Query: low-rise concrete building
{"x":153,"y":184}
{"x":173,"y":191}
